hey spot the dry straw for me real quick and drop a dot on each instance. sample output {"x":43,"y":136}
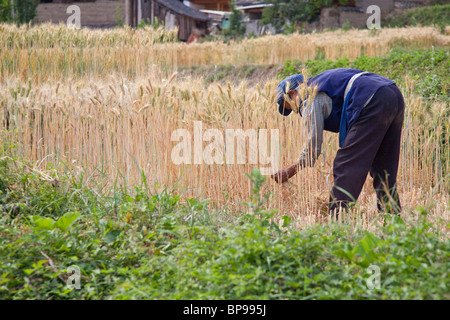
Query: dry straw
{"x":48,"y":51}
{"x":106,"y":104}
{"x":123,"y":126}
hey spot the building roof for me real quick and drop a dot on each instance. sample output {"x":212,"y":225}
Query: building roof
{"x":180,"y":8}
{"x":215,"y":12}
{"x":220,"y":5}
{"x":249,"y":2}
{"x":254,"y":6}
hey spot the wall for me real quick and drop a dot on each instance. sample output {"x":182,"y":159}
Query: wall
{"x":356,"y":19}
{"x":185,"y":24}
{"x":101,"y":14}
{"x":386,"y":6}
{"x":408,"y":4}
{"x":253,"y":27}
{"x":333,"y":18}
{"x":329,"y":18}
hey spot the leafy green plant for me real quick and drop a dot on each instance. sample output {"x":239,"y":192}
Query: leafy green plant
{"x":119,"y":18}
{"x":438,"y":15}
{"x":429,"y":67}
{"x":25,"y":10}
{"x":5,"y":10}
{"x":148,"y":23}
{"x":293,"y":11}
{"x":346,"y":25}
{"x":135,"y":244}
{"x":237,"y":27}
{"x":63,"y":223}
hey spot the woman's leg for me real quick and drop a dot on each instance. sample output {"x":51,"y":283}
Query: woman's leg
{"x":385,"y":165}
{"x":354,"y":160}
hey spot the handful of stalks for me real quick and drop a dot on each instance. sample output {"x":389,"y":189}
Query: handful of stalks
{"x":321,"y":202}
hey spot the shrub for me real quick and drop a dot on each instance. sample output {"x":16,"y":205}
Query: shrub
{"x":5,"y":10}
{"x":438,"y":15}
{"x":25,"y":10}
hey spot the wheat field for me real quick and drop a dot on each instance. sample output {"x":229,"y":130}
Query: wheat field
{"x":106,"y":104}
{"x":48,"y":51}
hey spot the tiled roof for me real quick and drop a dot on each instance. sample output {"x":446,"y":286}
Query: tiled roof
{"x":180,"y":8}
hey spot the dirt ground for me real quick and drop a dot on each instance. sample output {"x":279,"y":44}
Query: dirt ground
{"x":253,"y":74}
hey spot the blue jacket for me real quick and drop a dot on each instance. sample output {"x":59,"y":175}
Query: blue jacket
{"x":334,"y":82}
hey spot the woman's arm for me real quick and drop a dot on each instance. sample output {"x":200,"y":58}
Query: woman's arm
{"x":314,"y":116}
{"x":284,"y":175}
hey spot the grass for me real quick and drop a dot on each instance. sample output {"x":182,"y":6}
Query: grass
{"x":438,"y":15}
{"x":132,"y":243}
{"x":427,"y":67}
{"x":226,"y":73}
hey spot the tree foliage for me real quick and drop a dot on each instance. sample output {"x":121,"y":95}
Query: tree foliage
{"x":237,"y":27}
{"x":292,"y":11}
{"x":5,"y":10}
{"x":24,"y":10}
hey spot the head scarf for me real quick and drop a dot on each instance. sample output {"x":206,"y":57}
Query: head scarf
{"x":288,"y":84}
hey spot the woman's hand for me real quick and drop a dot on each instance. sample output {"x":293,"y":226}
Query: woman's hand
{"x":283,"y":175}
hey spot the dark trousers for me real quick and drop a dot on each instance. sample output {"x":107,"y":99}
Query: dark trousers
{"x":372,"y":145}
